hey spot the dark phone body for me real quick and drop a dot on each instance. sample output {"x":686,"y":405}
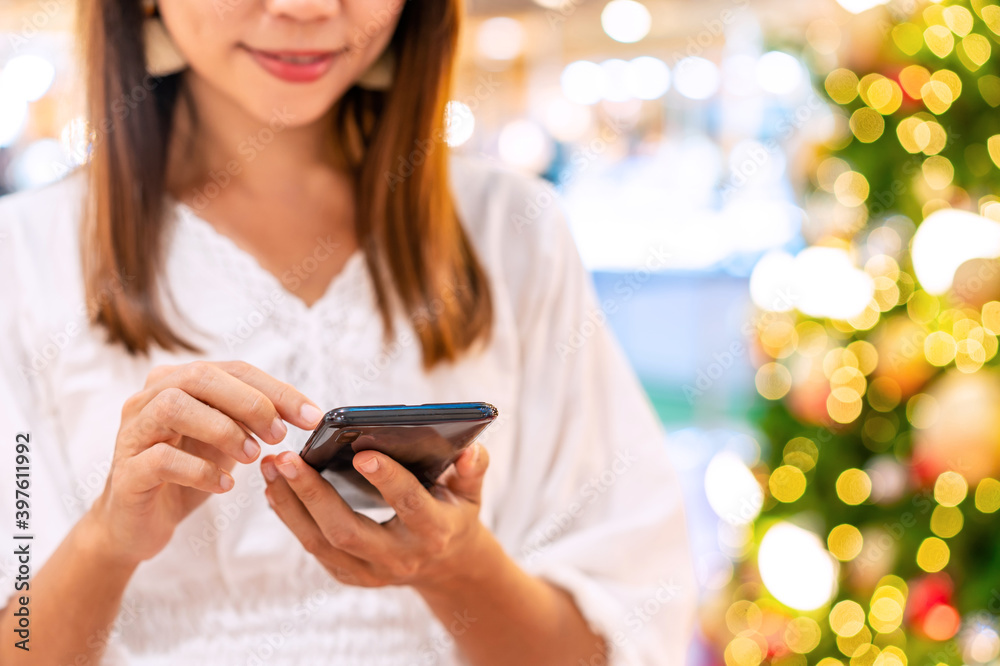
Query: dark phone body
{"x":425,"y":439}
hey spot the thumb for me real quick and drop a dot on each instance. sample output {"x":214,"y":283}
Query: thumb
{"x":470,"y":468}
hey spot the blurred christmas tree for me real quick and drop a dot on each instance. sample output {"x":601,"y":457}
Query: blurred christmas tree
{"x":875,"y":543}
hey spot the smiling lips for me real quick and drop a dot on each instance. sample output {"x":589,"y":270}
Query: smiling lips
{"x":296,"y":66}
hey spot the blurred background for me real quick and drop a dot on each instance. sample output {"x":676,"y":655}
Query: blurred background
{"x":790,"y":212}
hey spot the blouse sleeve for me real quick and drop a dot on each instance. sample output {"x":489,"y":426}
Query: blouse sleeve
{"x":37,"y":488}
{"x":598,"y":509}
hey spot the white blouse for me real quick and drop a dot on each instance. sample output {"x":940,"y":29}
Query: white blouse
{"x":579,"y":489}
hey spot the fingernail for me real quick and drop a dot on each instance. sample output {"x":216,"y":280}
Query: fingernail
{"x":269,"y":471}
{"x":475,"y":453}
{"x":369,"y":465}
{"x":250,"y":449}
{"x":226,"y":481}
{"x":310,"y":413}
{"x":287,"y":469}
{"x":278,"y":429}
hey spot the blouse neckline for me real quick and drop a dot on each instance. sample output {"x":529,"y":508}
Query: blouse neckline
{"x":347,"y":280}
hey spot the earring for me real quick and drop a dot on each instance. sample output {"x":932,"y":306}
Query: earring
{"x":379,"y":74}
{"x":162,"y":56}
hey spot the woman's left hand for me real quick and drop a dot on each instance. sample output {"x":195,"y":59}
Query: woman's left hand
{"x":433,"y":536}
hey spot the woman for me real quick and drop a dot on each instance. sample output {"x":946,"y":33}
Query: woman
{"x":268,"y":228}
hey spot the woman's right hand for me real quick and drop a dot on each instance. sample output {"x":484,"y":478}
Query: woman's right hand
{"x":179,"y":438}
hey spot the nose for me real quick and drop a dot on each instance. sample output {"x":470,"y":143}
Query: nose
{"x":303,"y":10}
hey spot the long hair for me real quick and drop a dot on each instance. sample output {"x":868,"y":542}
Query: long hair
{"x":416,"y":251}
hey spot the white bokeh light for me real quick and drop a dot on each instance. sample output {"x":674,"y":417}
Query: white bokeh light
{"x":500,"y":38}
{"x":615,"y":74}
{"x":779,"y":73}
{"x":795,"y":567}
{"x":13,"y":117}
{"x":696,"y":78}
{"x":819,"y":281}
{"x":459,"y":122}
{"x":945,"y":240}
{"x":647,"y":77}
{"x":523,"y":144}
{"x":626,"y":21}
{"x":858,"y":6}
{"x":28,"y":77}
{"x":732,"y":491}
{"x":567,"y":121}
{"x":41,"y":163}
{"x":583,"y":82}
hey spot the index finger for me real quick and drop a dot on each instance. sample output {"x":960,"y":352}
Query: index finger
{"x":292,"y":405}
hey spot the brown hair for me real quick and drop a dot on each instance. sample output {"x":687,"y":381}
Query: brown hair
{"x":414,"y":245}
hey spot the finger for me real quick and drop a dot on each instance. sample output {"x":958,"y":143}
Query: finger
{"x":158,"y":373}
{"x":470,"y":470}
{"x":216,"y":386}
{"x":333,"y":545}
{"x":162,"y":463}
{"x":293,"y":406}
{"x":341,"y":526}
{"x":174,"y":412}
{"x":414,"y":505}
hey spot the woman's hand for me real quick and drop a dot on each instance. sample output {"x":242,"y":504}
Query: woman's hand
{"x":432,"y":537}
{"x":179,"y":438}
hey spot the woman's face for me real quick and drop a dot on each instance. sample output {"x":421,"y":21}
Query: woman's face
{"x":288,"y":57}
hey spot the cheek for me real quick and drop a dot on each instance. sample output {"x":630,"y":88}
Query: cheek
{"x":200,"y":32}
{"x":373,"y":24}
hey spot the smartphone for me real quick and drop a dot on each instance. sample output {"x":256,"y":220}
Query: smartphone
{"x":425,"y":439}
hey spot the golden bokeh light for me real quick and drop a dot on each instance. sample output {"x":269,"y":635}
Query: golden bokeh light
{"x":844,"y":404}
{"x":842,"y":86}
{"x":787,"y":483}
{"x":933,"y":555}
{"x":991,"y":17}
{"x":977,"y":51}
{"x":940,"y":40}
{"x":801,"y":452}
{"x":958,"y":19}
{"x":908,"y":38}
{"x":828,"y":171}
{"x":993,"y":145}
{"x":847,"y":618}
{"x":851,"y":188}
{"x":886,"y":614}
{"x":845,"y":542}
{"x":988,"y":495}
{"x":970,"y":355}
{"x":922,"y":410}
{"x":947,"y":521}
{"x":922,"y":307}
{"x":857,"y":647}
{"x":991,"y":317}
{"x":866,"y":354}
{"x":940,"y":348}
{"x":853,"y":486}
{"x":950,"y":489}
{"x":743,"y":616}
{"x":743,"y":651}
{"x":867,"y":124}
{"x":937,"y":96}
{"x":773,"y":381}
{"x":850,"y":378}
{"x":802,"y":635}
{"x":913,"y":79}
{"x":813,"y":338}
{"x":938,"y":172}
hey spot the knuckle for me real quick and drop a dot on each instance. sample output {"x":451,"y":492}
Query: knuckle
{"x":309,"y":494}
{"x":403,"y":569}
{"x":258,"y":406}
{"x":159,"y":456}
{"x":200,"y":374}
{"x":411,"y":502}
{"x":345,"y":538}
{"x":313,"y":544}
{"x":167,"y":404}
